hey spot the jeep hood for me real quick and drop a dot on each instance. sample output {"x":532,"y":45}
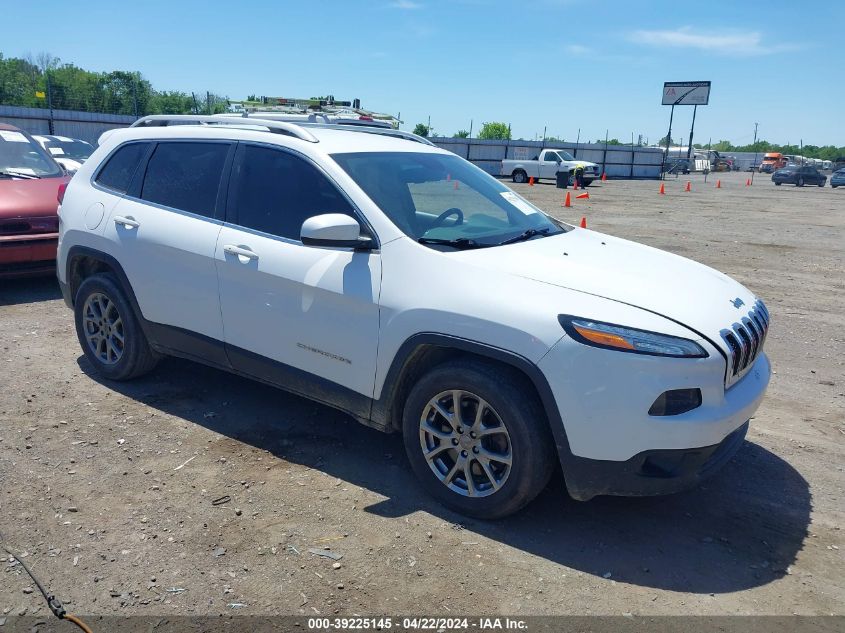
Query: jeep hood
{"x":685,"y":291}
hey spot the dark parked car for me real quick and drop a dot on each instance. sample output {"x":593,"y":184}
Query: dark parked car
{"x":837,"y":179}
{"x":799,"y":176}
{"x":30,"y":182}
{"x":676,"y":166}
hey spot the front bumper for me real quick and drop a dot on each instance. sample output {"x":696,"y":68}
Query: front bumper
{"x":604,"y":396}
{"x":649,"y":473}
{"x":28,"y":254}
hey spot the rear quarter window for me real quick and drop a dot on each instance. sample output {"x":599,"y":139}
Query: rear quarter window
{"x":120,"y":167}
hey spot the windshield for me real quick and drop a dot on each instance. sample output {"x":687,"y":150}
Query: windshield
{"x":442,"y":197}
{"x":19,"y":154}
{"x":70,"y":148}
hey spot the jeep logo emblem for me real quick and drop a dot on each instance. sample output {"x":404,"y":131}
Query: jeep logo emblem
{"x":737,"y":303}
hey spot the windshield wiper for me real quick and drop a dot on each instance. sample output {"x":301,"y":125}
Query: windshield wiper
{"x":458,"y":242}
{"x":525,"y":235}
{"x":18,"y":174}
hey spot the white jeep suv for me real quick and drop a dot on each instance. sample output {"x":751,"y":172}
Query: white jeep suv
{"x":370,"y":271}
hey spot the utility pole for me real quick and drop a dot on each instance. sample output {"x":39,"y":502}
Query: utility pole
{"x":49,"y":99}
{"x":208,"y":100}
{"x":577,"y":141}
{"x":755,"y":152}
{"x":470,"y":129}
{"x":429,"y":125}
{"x":604,"y":158}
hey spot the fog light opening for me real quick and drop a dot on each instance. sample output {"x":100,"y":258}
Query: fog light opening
{"x":675,"y":402}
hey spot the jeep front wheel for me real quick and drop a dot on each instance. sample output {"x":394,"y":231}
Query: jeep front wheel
{"x":476,"y":440}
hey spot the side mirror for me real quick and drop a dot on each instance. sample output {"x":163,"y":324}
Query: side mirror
{"x":333,"y":230}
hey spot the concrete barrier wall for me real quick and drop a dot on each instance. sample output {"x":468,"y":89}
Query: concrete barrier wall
{"x":619,"y":161}
{"x":82,"y":125}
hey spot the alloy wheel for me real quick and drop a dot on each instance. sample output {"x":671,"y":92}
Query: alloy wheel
{"x":103,"y":328}
{"x":465,"y":443}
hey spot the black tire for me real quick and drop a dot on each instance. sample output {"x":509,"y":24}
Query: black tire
{"x":778,"y":184}
{"x":799,"y":182}
{"x":519,"y":176}
{"x":821,"y":184}
{"x":508,"y":396}
{"x":136,"y":356}
{"x":832,"y":186}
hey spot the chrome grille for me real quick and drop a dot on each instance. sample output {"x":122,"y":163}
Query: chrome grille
{"x":745,"y":340}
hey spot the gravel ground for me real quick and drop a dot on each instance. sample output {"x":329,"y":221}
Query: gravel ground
{"x":109,"y":488}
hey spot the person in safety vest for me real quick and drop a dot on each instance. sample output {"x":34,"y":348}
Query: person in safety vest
{"x":579,"y":175}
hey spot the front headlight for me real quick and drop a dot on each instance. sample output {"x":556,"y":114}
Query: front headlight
{"x":625,"y":339}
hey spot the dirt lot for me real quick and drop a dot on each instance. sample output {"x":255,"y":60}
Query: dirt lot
{"x":108,"y":488}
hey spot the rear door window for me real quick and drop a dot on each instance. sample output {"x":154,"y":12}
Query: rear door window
{"x":185,"y":175}
{"x":120,"y":167}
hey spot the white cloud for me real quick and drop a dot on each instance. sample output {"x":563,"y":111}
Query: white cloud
{"x":578,"y":49}
{"x":405,"y":5}
{"x":727,"y":42}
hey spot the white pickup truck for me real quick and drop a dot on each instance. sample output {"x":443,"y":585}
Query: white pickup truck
{"x":547,"y":165}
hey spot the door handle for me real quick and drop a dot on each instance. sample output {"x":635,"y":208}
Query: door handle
{"x":231,"y":249}
{"x":128,"y":222}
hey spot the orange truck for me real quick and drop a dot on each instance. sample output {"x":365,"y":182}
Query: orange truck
{"x":772,"y":161}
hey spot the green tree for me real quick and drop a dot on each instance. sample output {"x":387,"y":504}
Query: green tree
{"x":495,"y":130}
{"x":421,"y":129}
{"x":461,"y":134}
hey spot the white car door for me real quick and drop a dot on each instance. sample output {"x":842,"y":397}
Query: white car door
{"x":165,"y":231}
{"x":293,"y":312}
{"x":548,"y":164}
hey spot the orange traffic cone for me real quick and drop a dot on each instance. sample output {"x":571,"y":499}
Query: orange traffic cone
{"x":604,"y":177}
{"x":583,"y":196}
{"x":575,"y":185}
{"x":583,"y":222}
{"x":688,"y":187}
{"x":748,"y":182}
{"x":718,"y":184}
{"x":456,"y":184}
{"x":568,"y":201}
{"x":531,"y":181}
{"x":662,"y":189}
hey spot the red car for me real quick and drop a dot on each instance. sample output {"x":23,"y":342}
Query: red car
{"x":29,"y":188}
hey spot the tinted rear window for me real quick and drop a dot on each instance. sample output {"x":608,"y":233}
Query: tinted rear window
{"x":118,"y":171}
{"x":185,"y":175}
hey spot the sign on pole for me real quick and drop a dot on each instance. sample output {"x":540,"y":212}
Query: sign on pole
{"x":686,"y":93}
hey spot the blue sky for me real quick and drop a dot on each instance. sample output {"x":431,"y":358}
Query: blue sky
{"x":556,"y":63}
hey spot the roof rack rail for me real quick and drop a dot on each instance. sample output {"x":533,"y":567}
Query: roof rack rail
{"x":408,"y":136}
{"x":328,"y":121}
{"x":276,"y":127}
{"x":309,"y":117}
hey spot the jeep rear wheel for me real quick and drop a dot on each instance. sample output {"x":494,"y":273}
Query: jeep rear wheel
{"x":477,"y":441}
{"x":108,"y":331}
